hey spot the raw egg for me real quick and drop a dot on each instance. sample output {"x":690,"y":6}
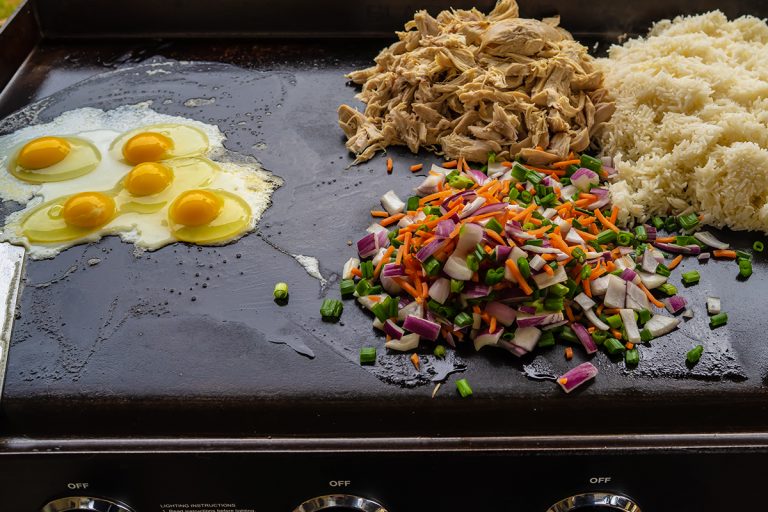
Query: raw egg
{"x":208,"y":216}
{"x":159,"y":142}
{"x":48,"y":159}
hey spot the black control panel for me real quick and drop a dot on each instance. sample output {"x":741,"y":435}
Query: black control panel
{"x":207,"y":478}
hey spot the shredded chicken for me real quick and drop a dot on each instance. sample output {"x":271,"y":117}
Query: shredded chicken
{"x":465,"y":84}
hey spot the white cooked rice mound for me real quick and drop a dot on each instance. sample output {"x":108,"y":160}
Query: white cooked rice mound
{"x":690,"y":132}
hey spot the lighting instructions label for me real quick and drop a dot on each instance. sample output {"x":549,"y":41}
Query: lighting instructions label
{"x":203,"y":507}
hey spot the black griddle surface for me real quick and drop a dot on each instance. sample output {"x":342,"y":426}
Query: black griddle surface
{"x":188,"y":339}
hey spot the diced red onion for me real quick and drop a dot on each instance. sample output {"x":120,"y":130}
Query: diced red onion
{"x":503,"y":313}
{"x":565,"y":227}
{"x":392,"y":203}
{"x":649,"y":263}
{"x":659,"y":325}
{"x":457,"y":268}
{"x":514,"y":229}
{"x":628,"y":274}
{"x":440,"y":289}
{"x":530,"y":310}
{"x":636,"y":298}
{"x":487,"y":338}
{"x":713,"y":305}
{"x":351,"y":263}
{"x":626,"y":251}
{"x":537,"y":262}
{"x":599,"y":286}
{"x":423,"y":327}
{"x":688,"y":313}
{"x":675,"y":303}
{"x":586,"y":340}
{"x":678,"y":249}
{"x":526,"y":320}
{"x":382,"y":239}
{"x":412,"y":309}
{"x":527,"y":338}
{"x":476,"y":290}
{"x":615,"y":295}
{"x":545,"y":280}
{"x":584,"y":301}
{"x":704,"y":257}
{"x":651,"y":232}
{"x":393,"y":270}
{"x":467,"y":195}
{"x":541,"y":250}
{"x":583,"y":178}
{"x":512,"y":296}
{"x":603,"y":198}
{"x":576,"y":377}
{"x":388,"y":275}
{"x":366,"y":246}
{"x":472,"y":207}
{"x":609,"y":171}
{"x":594,"y":320}
{"x":393,"y":329}
{"x":502,"y":253}
{"x":490,"y":208}
{"x":512,"y":348}
{"x":709,"y":239}
{"x":555,"y":325}
{"x":376,"y":228}
{"x":470,"y":236}
{"x":430,"y":184}
{"x":429,"y":249}
{"x":444,"y":228}
{"x":651,"y":281}
{"x":607,"y":161}
{"x":477,"y":176}
{"x":630,"y":325}
{"x":568,"y":191}
{"x":405,"y":343}
{"x":449,"y":339}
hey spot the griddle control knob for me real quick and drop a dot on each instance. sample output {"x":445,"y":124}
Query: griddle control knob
{"x":595,"y":502}
{"x":85,"y":504}
{"x":340,"y":503}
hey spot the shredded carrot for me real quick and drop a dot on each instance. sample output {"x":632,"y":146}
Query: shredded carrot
{"x":424,"y":290}
{"x":565,"y":163}
{"x":495,"y":236}
{"x":407,"y":242}
{"x":587,"y":287}
{"x":390,"y":166}
{"x":392,"y":219}
{"x":399,"y":256}
{"x":665,"y":239}
{"x":407,"y":287}
{"x":630,"y":345}
{"x":512,"y":266}
{"x":600,"y":309}
{"x":492,"y":325}
{"x":616,"y":334}
{"x":548,"y":270}
{"x":610,"y":266}
{"x":415,"y":360}
{"x":724,"y":253}
{"x":568,"y":353}
{"x":569,"y":313}
{"x":585,"y":235}
{"x":605,"y":222}
{"x":417,"y":167}
{"x":675,"y":261}
{"x":476,"y":218}
{"x":379,"y":213}
{"x":383,"y":260}
{"x":540,"y":231}
{"x":650,"y":296}
{"x":450,"y":165}
{"x":476,"y":309}
{"x":356,"y":272}
{"x":614,"y":214}
{"x":531,"y":208}
{"x":562,"y":380}
{"x":437,"y":195}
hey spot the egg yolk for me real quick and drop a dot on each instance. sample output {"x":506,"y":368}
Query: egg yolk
{"x":43,"y":152}
{"x":148,"y":178}
{"x":195,"y":208}
{"x":146,"y":147}
{"x":88,"y":210}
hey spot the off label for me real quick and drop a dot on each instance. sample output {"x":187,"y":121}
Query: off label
{"x":73,"y":486}
{"x":600,"y":480}
{"x":340,"y":483}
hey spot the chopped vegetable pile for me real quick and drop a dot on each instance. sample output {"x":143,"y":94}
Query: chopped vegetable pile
{"x":520,"y":257}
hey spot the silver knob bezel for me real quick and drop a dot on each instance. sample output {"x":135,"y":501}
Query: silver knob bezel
{"x":340,"y":500}
{"x":89,"y":503}
{"x":595,"y":499}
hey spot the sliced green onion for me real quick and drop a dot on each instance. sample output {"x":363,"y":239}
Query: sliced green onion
{"x":441,"y":309}
{"x":547,"y":339}
{"x":554,"y":304}
{"x":519,"y":173}
{"x":463,"y":319}
{"x":643,"y":316}
{"x":614,"y":346}
{"x":524,"y":267}
{"x":586,"y":271}
{"x":473,"y":263}
{"x":367,"y":355}
{"x":494,"y":276}
{"x":686,"y":240}
{"x":281,"y":291}
{"x":614,"y":321}
{"x":392,"y":236}
{"x":671,"y":224}
{"x":668,"y":289}
{"x":641,"y":234}
{"x":606,"y":237}
{"x":745,"y":268}
{"x":347,"y":287}
{"x":456,"y":286}
{"x":646,"y":336}
{"x":513,"y":193}
{"x":463,"y":386}
{"x":413,"y":204}
{"x":663,"y":270}
{"x":758,"y":246}
{"x":460,"y":181}
{"x":525,"y":196}
{"x":432,"y":266}
{"x":381,"y":311}
{"x":491,"y":157}
{"x":624,"y":238}
{"x":632,"y":357}
{"x":591,"y":163}
{"x":439,"y":351}
{"x":548,"y":200}
{"x":691,"y":277}
{"x":599,"y":337}
{"x":331,"y":310}
{"x":534,"y":177}
{"x":494,"y":225}
{"x":718,"y":320}
{"x":688,"y":221}
{"x":366,"y":268}
{"x":657,"y":222}
{"x":694,"y":354}
{"x":558,"y":290}
{"x":579,"y":254}
{"x":567,"y":334}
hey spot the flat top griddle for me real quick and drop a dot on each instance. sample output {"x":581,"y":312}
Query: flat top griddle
{"x":188,"y":339}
